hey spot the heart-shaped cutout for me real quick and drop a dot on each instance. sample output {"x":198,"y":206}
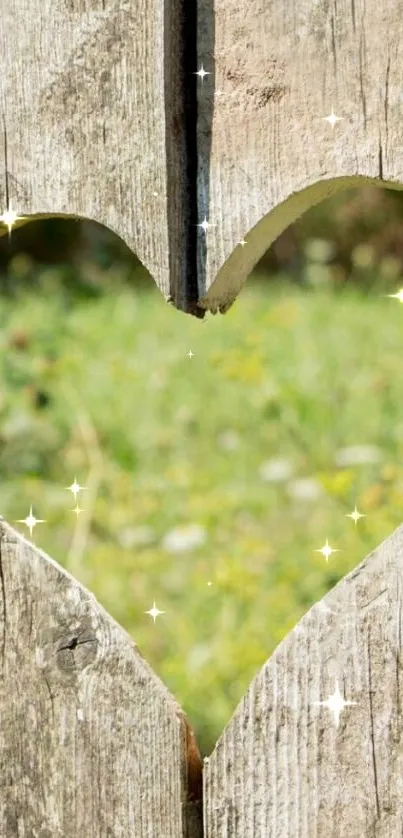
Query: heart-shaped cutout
{"x":80,"y":702}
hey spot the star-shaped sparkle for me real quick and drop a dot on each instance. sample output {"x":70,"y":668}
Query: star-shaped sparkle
{"x":327,"y":550}
{"x":190,"y":354}
{"x":336,"y":703}
{"x":202,"y":72}
{"x":9,"y":217}
{"x":355,"y":515}
{"x":75,"y":488}
{"x":154,"y":612}
{"x":242,"y":242}
{"x":398,"y":296}
{"x":30,"y":521}
{"x":204,"y":224}
{"x":332,"y":119}
{"x":77,"y":510}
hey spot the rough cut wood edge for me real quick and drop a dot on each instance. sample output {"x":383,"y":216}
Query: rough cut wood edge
{"x":91,"y":96}
{"x":265,"y":152}
{"x":91,"y":741}
{"x":282,"y":768}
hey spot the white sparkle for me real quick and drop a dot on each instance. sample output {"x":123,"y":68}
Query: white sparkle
{"x":336,"y":703}
{"x":205,"y":224}
{"x":202,"y":72}
{"x":77,"y":510}
{"x":154,"y":612}
{"x":75,"y":488}
{"x":190,"y":354}
{"x":30,"y":521}
{"x":242,"y":242}
{"x":398,"y":296}
{"x":9,"y":217}
{"x":355,"y":515}
{"x":327,"y":550}
{"x":332,"y":119}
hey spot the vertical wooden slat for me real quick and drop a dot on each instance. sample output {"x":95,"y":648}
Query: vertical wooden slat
{"x":285,"y":764}
{"x":92,"y":95}
{"x":266,"y":155}
{"x":91,"y":742}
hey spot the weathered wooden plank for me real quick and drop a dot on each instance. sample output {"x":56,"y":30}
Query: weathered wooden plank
{"x":91,"y":742}
{"x":92,"y":100}
{"x":102,"y":121}
{"x":283,"y":767}
{"x":265,"y":153}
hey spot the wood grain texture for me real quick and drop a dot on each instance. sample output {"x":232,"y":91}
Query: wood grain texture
{"x":91,"y":742}
{"x":265,"y":153}
{"x":282,"y":768}
{"x":102,"y":122}
{"x":92,"y":99}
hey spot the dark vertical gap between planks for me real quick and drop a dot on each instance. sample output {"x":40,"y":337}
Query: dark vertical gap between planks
{"x":180,"y":27}
{"x":189,"y":41}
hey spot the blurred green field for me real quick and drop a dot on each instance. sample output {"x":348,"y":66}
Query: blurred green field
{"x":212,"y":480}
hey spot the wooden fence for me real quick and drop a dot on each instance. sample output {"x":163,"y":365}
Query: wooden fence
{"x":93,"y":744}
{"x":105,"y":117}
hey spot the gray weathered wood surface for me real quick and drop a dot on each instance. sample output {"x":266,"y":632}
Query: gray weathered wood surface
{"x":91,"y":96}
{"x":91,"y":741}
{"x":102,"y":110}
{"x":265,"y":153}
{"x":283,"y":768}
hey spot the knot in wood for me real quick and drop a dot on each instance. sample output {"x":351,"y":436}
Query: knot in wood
{"x":65,"y":650}
{"x":76,"y":651}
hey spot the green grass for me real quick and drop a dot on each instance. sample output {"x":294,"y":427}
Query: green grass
{"x":285,"y":374}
